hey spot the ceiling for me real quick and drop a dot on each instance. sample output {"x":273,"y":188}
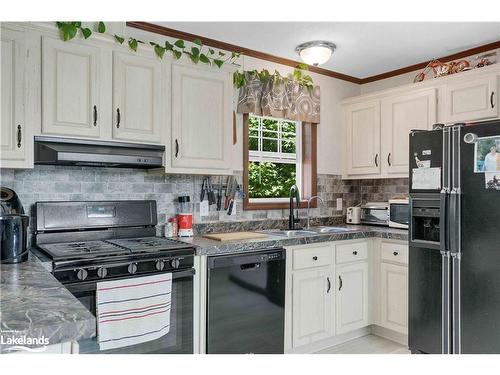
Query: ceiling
{"x":364,"y":49}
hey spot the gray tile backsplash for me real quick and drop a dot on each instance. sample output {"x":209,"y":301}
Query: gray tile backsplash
{"x":370,"y":190}
{"x":47,"y":183}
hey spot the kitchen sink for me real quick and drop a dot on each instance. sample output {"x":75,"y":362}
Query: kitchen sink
{"x":332,"y":229}
{"x":293,"y":233}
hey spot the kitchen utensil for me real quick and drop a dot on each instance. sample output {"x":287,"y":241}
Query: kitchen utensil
{"x":219,"y":195}
{"x":203,"y":190}
{"x":211,"y":195}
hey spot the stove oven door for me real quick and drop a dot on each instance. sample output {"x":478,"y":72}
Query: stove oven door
{"x":180,"y":337}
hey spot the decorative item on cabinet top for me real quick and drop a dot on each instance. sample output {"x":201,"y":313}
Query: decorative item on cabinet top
{"x":443,"y":69}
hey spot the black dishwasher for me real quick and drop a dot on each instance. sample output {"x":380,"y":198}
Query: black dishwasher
{"x":246,"y":303}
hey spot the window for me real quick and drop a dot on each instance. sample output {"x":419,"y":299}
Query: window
{"x":274,"y":165}
{"x":277,"y":156}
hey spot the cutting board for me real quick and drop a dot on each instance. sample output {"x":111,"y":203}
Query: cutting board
{"x":234,"y":236}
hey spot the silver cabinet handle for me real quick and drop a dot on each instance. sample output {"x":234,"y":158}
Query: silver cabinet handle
{"x":19,"y":136}
{"x":329,"y":285}
{"x":491,"y":99}
{"x":118,"y":117}
{"x":95,"y":115}
{"x":354,"y":252}
{"x":340,"y":282}
{"x":176,"y":148}
{"x":389,"y":159}
{"x":315,"y":257}
{"x":395,"y":253}
{"x":376,"y":160}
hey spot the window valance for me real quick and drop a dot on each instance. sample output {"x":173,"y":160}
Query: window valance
{"x":279,"y":98}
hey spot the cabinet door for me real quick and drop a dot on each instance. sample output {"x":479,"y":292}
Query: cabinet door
{"x":70,"y":93}
{"x":312,"y":311}
{"x":363,"y":138}
{"x":15,"y":140}
{"x":394,"y":297}
{"x":469,"y":100}
{"x":137,"y":98}
{"x":201,"y":120}
{"x":352,"y":297}
{"x":400,"y":114}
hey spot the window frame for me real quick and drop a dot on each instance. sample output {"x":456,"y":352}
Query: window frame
{"x":306,"y":150}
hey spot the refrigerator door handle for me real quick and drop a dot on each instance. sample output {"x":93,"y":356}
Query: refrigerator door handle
{"x":456,"y":307}
{"x":443,"y":221}
{"x":445,"y":304}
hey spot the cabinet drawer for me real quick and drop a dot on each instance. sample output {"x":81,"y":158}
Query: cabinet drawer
{"x":351,"y":252}
{"x":312,"y":257}
{"x":394,"y":252}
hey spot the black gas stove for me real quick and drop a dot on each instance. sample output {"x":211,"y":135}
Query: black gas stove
{"x":91,"y":242}
{"x":102,"y":240}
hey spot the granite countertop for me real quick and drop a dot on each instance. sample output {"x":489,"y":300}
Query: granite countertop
{"x":33,"y":304}
{"x":209,"y":247}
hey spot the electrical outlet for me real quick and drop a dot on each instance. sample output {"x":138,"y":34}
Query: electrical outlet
{"x":204,"y":208}
{"x":339,"y":204}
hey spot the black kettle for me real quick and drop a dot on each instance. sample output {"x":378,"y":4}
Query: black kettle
{"x":13,"y":228}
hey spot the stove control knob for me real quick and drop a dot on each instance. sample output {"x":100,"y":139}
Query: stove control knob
{"x":81,"y":274}
{"x":175,"y":263}
{"x":132,"y":268}
{"x":102,"y":272}
{"x":160,"y":265}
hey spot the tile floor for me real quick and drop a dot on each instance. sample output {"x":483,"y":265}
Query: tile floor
{"x":369,"y":344}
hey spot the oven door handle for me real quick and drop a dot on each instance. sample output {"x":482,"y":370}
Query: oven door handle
{"x":88,"y":286}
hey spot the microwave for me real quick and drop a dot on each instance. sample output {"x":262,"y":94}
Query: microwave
{"x":375,"y":213}
{"x":399,"y":213}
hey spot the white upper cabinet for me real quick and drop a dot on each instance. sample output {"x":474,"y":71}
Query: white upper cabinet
{"x":400,"y":114}
{"x":312,"y":309}
{"x":201,"y":132}
{"x":394,"y":297}
{"x":352,"y":297}
{"x":70,"y":91}
{"x":16,"y":144}
{"x":470,"y":99}
{"x":137,"y":98}
{"x":363,"y":138}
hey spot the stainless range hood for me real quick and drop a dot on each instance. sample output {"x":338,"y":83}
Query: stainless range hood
{"x":81,"y":152}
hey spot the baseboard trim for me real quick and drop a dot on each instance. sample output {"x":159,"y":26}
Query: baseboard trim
{"x":329,"y":342}
{"x":389,"y":334}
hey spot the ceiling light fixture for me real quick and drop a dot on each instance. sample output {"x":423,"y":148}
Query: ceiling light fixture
{"x":316,"y":52}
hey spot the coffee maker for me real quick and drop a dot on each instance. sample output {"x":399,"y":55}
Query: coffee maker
{"x":13,"y":228}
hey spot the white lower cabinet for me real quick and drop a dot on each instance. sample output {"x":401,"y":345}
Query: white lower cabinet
{"x":351,"y":297}
{"x":394,"y":297}
{"x":312,"y":306}
{"x":327,"y":293}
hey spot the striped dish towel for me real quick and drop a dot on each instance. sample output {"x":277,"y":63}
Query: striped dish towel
{"x":133,"y":311}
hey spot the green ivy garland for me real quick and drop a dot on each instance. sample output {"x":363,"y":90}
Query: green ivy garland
{"x":197,"y":53}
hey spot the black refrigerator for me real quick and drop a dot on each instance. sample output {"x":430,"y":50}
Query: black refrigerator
{"x":454,"y":239}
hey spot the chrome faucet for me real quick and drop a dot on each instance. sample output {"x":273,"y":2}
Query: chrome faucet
{"x":308,"y":204}
{"x":292,"y":220}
